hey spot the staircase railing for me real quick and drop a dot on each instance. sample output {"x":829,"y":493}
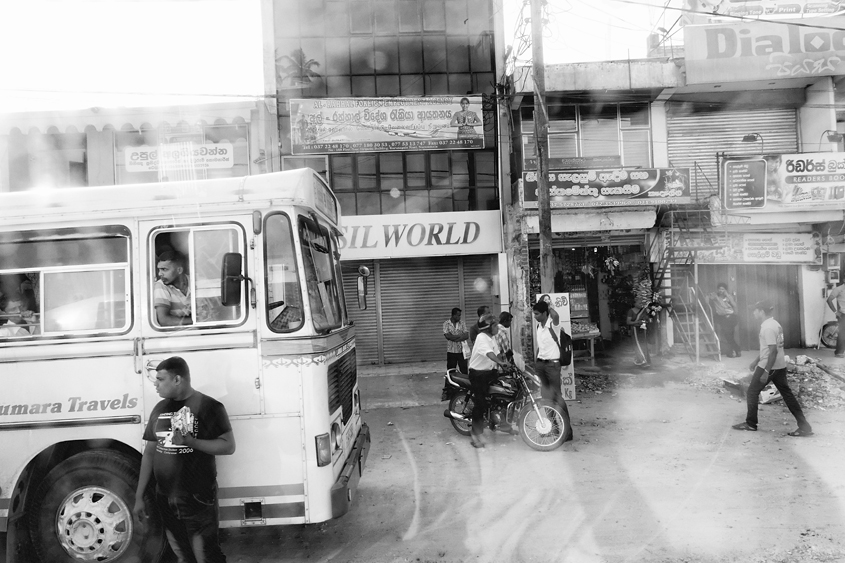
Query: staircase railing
{"x":689,"y":233}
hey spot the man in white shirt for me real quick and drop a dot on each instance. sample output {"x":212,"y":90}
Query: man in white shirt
{"x":547,"y":366}
{"x":11,"y":317}
{"x":837,"y":296}
{"x":770,"y":365}
{"x":172,"y":290}
{"x":482,"y":372}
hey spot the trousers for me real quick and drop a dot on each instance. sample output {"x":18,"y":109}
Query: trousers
{"x":191,"y":524}
{"x":549,"y":373}
{"x":778,"y":377}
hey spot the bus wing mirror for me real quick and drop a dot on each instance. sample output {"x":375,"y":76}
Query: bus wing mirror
{"x":363,"y":275}
{"x":230,"y":279}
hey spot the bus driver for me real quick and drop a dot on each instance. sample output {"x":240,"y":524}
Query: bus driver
{"x":172,"y":292}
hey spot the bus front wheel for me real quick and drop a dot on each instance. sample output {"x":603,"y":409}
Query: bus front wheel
{"x":83,"y":512}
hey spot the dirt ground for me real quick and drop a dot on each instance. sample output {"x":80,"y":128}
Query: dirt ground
{"x":655,"y":474}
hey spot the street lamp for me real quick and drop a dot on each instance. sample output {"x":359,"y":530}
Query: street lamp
{"x":832,"y":137}
{"x":753,"y":138}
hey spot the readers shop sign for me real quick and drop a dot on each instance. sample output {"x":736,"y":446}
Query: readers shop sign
{"x":788,"y":182}
{"x":610,"y":188}
{"x":343,"y":125}
{"x":178,"y":156}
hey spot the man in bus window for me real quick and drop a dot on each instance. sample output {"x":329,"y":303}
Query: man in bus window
{"x":11,"y":318}
{"x":172,"y":291}
{"x":186,"y":430}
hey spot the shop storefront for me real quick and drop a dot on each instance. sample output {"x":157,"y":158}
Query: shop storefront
{"x":110,"y":146}
{"x":422,"y":265}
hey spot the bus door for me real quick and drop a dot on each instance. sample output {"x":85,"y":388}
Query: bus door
{"x":183,"y":315}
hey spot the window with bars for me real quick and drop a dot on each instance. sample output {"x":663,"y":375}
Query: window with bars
{"x":591,"y":130}
{"x":414,"y":182}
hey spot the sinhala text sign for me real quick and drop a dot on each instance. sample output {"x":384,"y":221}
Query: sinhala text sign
{"x":759,"y":248}
{"x":420,"y":234}
{"x":178,"y":156}
{"x":343,"y":125}
{"x":560,"y":303}
{"x":608,"y":188}
{"x":787,"y":182}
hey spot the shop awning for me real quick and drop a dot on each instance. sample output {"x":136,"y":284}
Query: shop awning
{"x":580,"y":220}
{"x":78,"y":121}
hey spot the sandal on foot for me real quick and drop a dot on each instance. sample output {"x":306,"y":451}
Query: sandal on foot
{"x":800,"y":433}
{"x":476,"y":443}
{"x":744,"y":426}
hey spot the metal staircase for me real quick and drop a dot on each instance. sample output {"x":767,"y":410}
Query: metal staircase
{"x":685,"y":233}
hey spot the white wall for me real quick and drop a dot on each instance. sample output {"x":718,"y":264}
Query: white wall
{"x":815,"y":311}
{"x":817,"y":116}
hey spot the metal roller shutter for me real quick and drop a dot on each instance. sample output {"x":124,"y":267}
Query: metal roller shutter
{"x":417,"y":295}
{"x":478,"y":285}
{"x":366,"y":321}
{"x":694,"y":138}
{"x":754,"y":282}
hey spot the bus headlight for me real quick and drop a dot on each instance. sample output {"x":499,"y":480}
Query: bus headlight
{"x":335,"y":438}
{"x":324,"y":450}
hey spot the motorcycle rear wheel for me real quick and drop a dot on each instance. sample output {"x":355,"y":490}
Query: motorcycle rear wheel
{"x":462,"y":405}
{"x":543,"y":433}
{"x":830,"y":332}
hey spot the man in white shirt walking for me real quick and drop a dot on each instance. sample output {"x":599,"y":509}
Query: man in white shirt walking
{"x":770,"y":365}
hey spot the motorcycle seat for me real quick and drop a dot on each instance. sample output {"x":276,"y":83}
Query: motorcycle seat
{"x":460,"y":379}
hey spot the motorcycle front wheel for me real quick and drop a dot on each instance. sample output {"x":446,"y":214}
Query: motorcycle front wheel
{"x":461,"y":404}
{"x":830,"y":332}
{"x":544,"y":432}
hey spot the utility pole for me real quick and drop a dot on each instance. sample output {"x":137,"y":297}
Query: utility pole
{"x":541,"y":137}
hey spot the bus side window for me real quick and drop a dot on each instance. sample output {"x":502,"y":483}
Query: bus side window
{"x":187,"y":269}
{"x":18,"y":308}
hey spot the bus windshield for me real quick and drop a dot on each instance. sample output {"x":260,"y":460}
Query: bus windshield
{"x":321,"y":283}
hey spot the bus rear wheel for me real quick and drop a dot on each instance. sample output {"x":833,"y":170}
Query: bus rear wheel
{"x":83,"y":512}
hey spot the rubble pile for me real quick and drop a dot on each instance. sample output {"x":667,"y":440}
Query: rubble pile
{"x":597,"y":383}
{"x":815,"y":384}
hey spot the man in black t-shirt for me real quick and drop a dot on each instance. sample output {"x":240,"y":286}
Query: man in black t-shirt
{"x":184,"y":433}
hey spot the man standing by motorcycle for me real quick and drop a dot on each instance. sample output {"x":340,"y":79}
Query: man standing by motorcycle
{"x":482,"y":372}
{"x":547,"y":366}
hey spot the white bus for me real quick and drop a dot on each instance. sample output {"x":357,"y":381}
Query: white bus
{"x":266,"y":333}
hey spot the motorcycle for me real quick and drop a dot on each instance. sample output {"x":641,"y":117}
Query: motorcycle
{"x":512,"y":401}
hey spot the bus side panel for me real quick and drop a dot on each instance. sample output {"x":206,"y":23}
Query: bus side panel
{"x":65,"y":400}
{"x":266,"y":468}
{"x":282,"y":382}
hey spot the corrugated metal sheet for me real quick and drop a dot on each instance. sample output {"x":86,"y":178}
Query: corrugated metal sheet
{"x":477,"y":273}
{"x":409,"y":300}
{"x":417,"y":295}
{"x":694,"y":138}
{"x":754,"y":282}
{"x":366,"y":321}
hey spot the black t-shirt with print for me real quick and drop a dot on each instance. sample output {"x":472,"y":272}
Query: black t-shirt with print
{"x":180,"y":470}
